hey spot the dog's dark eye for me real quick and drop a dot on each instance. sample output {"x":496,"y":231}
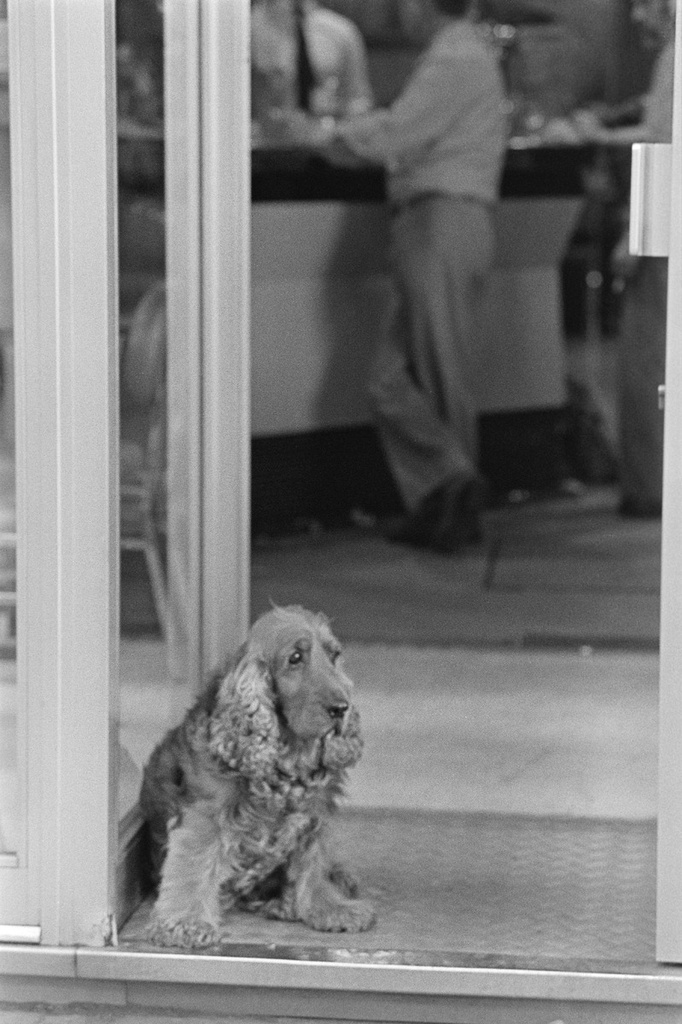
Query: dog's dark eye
{"x":334,"y":656}
{"x":296,"y":658}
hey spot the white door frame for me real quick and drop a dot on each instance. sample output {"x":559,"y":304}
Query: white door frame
{"x":64,"y":189}
{"x":208,"y":238}
{"x":226,"y":235}
{"x":669,"y":868}
{"x":63,"y":156}
{"x":65,"y":274}
{"x":182,"y":138}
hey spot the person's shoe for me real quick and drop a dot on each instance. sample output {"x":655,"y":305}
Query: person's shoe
{"x":640,"y":508}
{"x":462,"y":503}
{"x":418,"y":527}
{"x":447,"y":519}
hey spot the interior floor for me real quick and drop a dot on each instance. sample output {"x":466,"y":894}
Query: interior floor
{"x":505,"y":805}
{"x":512,"y":888}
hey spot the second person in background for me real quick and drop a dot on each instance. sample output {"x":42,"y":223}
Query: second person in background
{"x":305,"y":57}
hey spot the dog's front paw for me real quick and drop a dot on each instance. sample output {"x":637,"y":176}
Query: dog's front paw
{"x":187,"y":933}
{"x":345,"y":916}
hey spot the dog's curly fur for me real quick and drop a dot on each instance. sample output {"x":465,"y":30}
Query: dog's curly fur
{"x":238,"y":797}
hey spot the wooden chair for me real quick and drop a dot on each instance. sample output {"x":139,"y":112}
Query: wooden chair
{"x":143,"y":439}
{"x":142,"y":459}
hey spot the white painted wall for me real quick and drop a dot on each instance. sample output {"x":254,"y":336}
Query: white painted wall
{"x":320,"y":294}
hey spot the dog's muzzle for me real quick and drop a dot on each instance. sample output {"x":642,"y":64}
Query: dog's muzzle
{"x":337,"y":713}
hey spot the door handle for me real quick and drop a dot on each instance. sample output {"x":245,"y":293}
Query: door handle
{"x":650,"y":195}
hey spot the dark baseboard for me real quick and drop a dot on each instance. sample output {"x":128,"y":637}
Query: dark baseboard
{"x":523,"y":450}
{"x":318,"y":476}
{"x":131,"y":885}
{"x":325,"y":475}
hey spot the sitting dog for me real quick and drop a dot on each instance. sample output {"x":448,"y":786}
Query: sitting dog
{"x":239,"y":796}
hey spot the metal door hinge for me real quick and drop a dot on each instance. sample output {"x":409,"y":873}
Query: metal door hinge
{"x":650,"y":198}
{"x":26,"y":934}
{"x":661,"y":396}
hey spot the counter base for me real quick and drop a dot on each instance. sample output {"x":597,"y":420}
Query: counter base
{"x":323,"y":476}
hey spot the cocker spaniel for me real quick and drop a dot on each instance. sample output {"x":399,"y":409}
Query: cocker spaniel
{"x":238,"y":797}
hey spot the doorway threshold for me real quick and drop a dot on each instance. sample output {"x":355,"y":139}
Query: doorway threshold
{"x":330,"y":983}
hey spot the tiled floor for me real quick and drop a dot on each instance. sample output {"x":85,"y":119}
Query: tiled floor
{"x":463,"y":729}
{"x":517,"y":732}
{"x":556,"y":614}
{"x":562,"y":572}
{"x":505,"y":805}
{"x":509,"y":700}
{"x":506,"y":800}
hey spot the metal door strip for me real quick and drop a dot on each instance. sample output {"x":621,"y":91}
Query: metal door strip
{"x":26,"y":934}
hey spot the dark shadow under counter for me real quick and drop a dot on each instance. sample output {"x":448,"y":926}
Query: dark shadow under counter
{"x":290,"y":174}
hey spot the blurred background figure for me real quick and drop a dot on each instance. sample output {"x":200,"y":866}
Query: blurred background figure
{"x":443,"y":142}
{"x":306,"y":57}
{"x":647,"y":118}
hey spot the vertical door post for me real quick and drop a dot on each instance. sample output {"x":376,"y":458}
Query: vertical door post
{"x":226,"y":230}
{"x":669,"y":868}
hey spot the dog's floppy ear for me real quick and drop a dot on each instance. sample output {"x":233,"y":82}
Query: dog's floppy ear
{"x":243,"y":730}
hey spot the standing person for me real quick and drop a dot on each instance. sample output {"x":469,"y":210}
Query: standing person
{"x":306,"y":57}
{"x":641,"y":364}
{"x":442,"y":142}
{"x":642,"y":356}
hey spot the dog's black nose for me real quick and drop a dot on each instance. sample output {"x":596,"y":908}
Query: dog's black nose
{"x":337,"y":711}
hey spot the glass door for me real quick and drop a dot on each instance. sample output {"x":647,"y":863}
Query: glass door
{"x":15,"y":904}
{"x":59,"y":529}
{"x":151,"y":618}
{"x":183,"y":268}
{"x":669,"y":877}
{"x":124,"y":419}
{"x":160,"y":378}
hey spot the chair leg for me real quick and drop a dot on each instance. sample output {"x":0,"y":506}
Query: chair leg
{"x":156,"y":577}
{"x":146,"y":540}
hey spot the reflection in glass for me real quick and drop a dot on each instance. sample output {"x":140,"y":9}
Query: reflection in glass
{"x":142,"y":390}
{"x":10,"y":796}
{"x":155,"y":682}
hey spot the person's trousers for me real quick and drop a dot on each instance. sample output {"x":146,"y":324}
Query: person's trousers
{"x":641,"y":370}
{"x":423,"y":385}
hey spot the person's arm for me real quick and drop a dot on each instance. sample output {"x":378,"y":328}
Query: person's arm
{"x":618,"y":115}
{"x":440,"y":87}
{"x":656,"y":112}
{"x":591,"y":128}
{"x":355,"y":88}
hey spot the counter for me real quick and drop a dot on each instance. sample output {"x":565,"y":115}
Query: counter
{"x":294,"y":175}
{"x":320,"y":291}
{"x":321,"y":286}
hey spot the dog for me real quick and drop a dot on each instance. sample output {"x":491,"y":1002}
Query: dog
{"x":238,"y":797}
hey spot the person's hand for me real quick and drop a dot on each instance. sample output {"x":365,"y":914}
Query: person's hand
{"x":559,"y":131}
{"x":297,"y":128}
{"x":588,"y":125}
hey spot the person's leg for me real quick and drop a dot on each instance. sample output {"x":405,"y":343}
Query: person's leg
{"x":447,"y":294}
{"x":422,"y":387}
{"x":641,"y":370}
{"x":417,"y":443}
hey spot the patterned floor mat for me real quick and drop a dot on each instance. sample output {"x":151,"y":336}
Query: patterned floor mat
{"x":517,"y":887}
